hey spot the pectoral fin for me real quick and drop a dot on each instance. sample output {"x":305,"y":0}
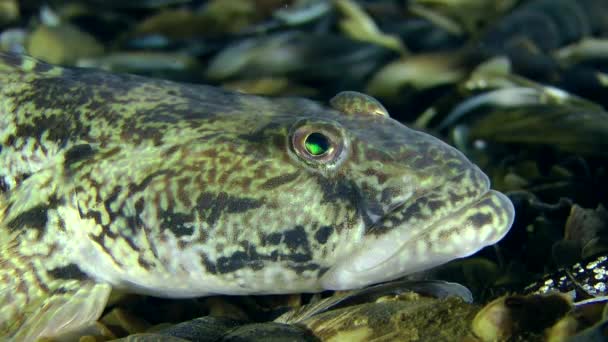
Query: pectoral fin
{"x":42,"y":294}
{"x":63,"y":313}
{"x":34,"y":303}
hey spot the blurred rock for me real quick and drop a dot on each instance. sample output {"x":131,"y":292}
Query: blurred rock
{"x":9,"y":12}
{"x":63,"y":44}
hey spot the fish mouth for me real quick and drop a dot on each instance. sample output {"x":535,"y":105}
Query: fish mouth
{"x":424,"y":232}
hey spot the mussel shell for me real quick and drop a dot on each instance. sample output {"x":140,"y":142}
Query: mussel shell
{"x":201,"y":329}
{"x":566,"y":128}
{"x":271,"y":332}
{"x":431,"y":288}
{"x":407,"y":317}
{"x":151,"y":337}
{"x":301,"y":56}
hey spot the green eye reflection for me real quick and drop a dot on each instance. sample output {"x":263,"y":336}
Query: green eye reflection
{"x":317,"y":144}
{"x":320,"y":145}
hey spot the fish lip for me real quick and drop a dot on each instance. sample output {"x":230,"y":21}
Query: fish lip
{"x":362,"y":267}
{"x":485,"y":188}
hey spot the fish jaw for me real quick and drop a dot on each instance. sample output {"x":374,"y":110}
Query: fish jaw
{"x":410,"y":239}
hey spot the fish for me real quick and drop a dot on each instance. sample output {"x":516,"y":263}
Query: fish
{"x":116,"y":181}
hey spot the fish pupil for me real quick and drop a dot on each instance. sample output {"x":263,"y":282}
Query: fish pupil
{"x":316,"y":144}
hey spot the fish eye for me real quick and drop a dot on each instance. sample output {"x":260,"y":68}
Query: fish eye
{"x":318,"y":144}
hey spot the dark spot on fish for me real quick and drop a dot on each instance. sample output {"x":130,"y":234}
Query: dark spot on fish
{"x":110,"y":199}
{"x":133,"y":188}
{"x":68,"y":94}
{"x":412,"y":211}
{"x":297,"y":242}
{"x":62,"y":290}
{"x":375,"y":154}
{"x":423,"y":161}
{"x":71,"y":271}
{"x":10,"y":141}
{"x":19,"y":178}
{"x":261,"y":135}
{"x":144,"y":263}
{"x":100,"y":240}
{"x":296,"y":238}
{"x":34,"y":218}
{"x":43,"y":285}
{"x":205,"y":205}
{"x":209,"y":266}
{"x":3,"y":185}
{"x":272,"y":239}
{"x":239,"y":260}
{"x":212,"y":206}
{"x":162,"y":112}
{"x":139,"y":206}
{"x":131,"y":242}
{"x":323,"y":234}
{"x":91,"y":214}
{"x":298,"y":257}
{"x":369,"y":209}
{"x":378,"y":229}
{"x":480,"y":219}
{"x":454,"y":197}
{"x":388,"y":195}
{"x":78,"y":153}
{"x":276,"y":182}
{"x":339,"y":189}
{"x":177,"y":223}
{"x":434,"y":205}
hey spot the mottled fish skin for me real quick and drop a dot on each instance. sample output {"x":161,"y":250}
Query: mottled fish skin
{"x":183,"y":190}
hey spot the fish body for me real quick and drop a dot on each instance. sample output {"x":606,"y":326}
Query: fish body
{"x":175,"y":190}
